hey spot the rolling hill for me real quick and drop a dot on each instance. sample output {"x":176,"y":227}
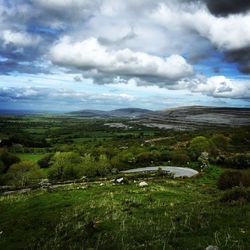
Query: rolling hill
{"x":126,"y":112}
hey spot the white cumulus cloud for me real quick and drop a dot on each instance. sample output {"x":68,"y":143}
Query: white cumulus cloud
{"x":218,"y":86}
{"x":19,"y":38}
{"x":91,"y":55}
{"x":226,"y":33}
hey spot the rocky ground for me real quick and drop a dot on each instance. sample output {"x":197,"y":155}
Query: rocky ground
{"x":188,"y":118}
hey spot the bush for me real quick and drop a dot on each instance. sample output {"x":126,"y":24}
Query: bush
{"x":24,"y":173}
{"x":239,"y":161}
{"x":236,"y":194}
{"x":66,"y":172}
{"x":219,"y":159}
{"x":45,"y":162}
{"x":123,"y":160}
{"x":230,"y":179}
{"x":2,"y":167}
{"x":103,"y":165}
{"x":145,"y":158}
{"x":179,"y":157}
{"x":70,"y":165}
{"x":7,"y":159}
{"x":220,"y":141}
{"x":198,"y":145}
{"x":162,"y":173}
{"x":165,"y":155}
{"x":66,"y":165}
{"x":93,"y":168}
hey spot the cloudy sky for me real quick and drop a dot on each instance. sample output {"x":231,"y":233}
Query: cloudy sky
{"x":106,"y":54}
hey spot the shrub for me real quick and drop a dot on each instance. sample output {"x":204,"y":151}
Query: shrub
{"x":24,"y":173}
{"x":239,"y":161}
{"x":220,"y":141}
{"x":198,"y":145}
{"x":219,"y":159}
{"x":162,"y":173}
{"x":103,"y":165}
{"x":66,"y":172}
{"x":66,"y":165}
{"x":45,"y":161}
{"x":165,"y":155}
{"x":123,"y":160}
{"x":93,"y":168}
{"x":8,"y":159}
{"x":2,"y":167}
{"x":236,"y":194}
{"x":230,"y":179}
{"x":90,"y":170}
{"x":144,"y":158}
{"x":179,"y":157}
{"x":2,"y":175}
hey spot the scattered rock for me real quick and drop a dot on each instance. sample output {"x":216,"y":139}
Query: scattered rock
{"x":143,"y":184}
{"x":119,"y":180}
{"x":45,"y":183}
{"x":101,"y":184}
{"x":212,"y":248}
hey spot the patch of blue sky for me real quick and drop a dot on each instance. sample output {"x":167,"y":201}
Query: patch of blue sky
{"x":3,"y":59}
{"x":38,"y":29}
{"x":216,"y":65}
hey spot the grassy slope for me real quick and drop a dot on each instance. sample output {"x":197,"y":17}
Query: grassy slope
{"x":31,"y":157}
{"x":168,"y":214}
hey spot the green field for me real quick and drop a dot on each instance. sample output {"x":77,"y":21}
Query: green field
{"x":82,"y":208}
{"x":31,"y":157}
{"x":168,"y":214}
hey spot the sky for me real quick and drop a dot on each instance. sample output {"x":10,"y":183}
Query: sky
{"x":108,"y":54}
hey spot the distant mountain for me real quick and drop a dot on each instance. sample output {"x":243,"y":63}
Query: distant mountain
{"x":125,"y":112}
{"x":89,"y":113}
{"x":129,"y":112}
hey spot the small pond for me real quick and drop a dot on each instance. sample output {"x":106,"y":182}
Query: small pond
{"x":177,"y":171}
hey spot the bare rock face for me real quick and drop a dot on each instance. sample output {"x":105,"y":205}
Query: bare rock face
{"x":195,"y":117}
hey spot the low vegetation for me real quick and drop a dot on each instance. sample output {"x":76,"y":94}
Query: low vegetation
{"x":230,"y":179}
{"x":59,"y":190}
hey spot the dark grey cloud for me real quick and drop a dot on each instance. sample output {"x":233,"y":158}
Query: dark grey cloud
{"x":21,"y":59}
{"x":226,"y":7}
{"x":8,"y":66}
{"x":77,"y":79}
{"x":241,"y":57}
